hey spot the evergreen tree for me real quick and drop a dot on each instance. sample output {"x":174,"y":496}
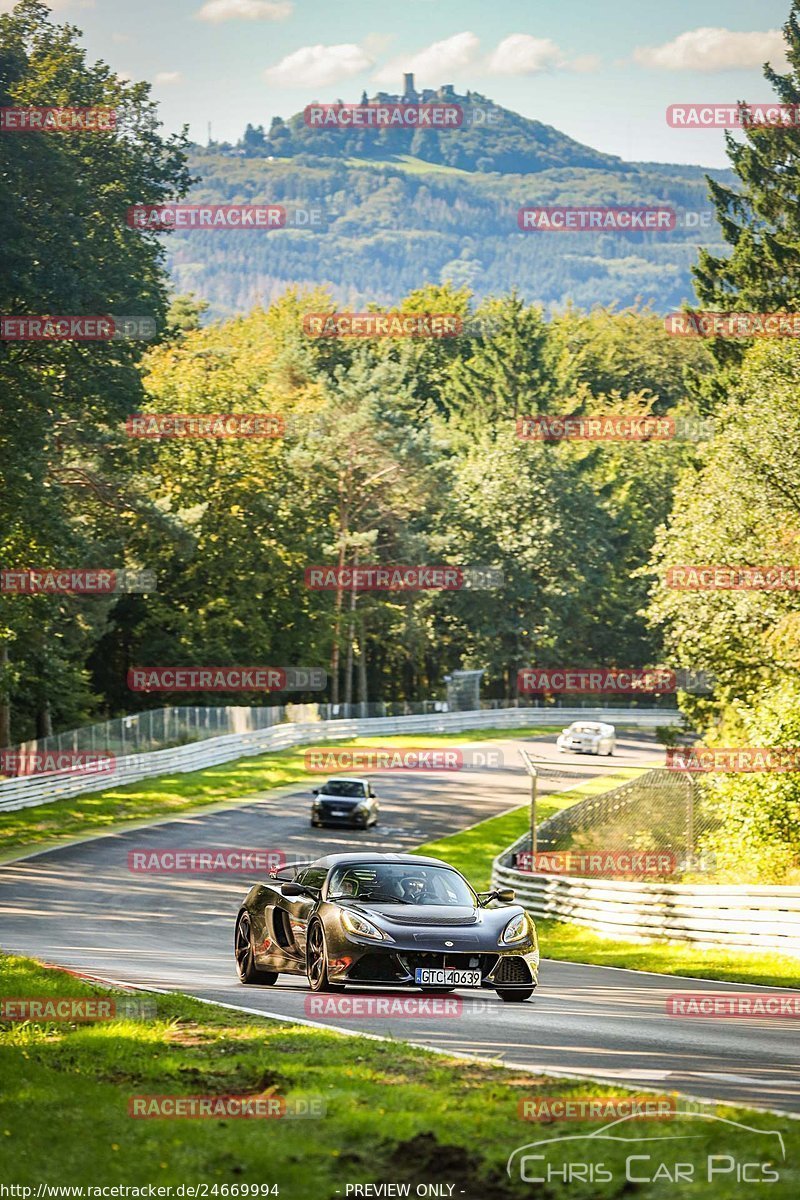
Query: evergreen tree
{"x":761,"y":219}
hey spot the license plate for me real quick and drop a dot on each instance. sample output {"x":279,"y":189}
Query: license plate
{"x":447,"y":977}
{"x":338,"y":812}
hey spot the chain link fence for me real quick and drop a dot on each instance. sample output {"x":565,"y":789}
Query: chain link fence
{"x":663,"y":812}
{"x":161,"y":728}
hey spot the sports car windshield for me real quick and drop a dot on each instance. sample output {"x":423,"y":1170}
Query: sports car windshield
{"x":343,"y":787}
{"x":400,"y":883}
{"x":584,"y":729}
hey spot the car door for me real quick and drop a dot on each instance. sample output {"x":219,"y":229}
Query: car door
{"x":299,"y":909}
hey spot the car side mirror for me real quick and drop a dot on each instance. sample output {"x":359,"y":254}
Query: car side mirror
{"x":504,"y":895}
{"x":315,"y":791}
{"x":293,"y":889}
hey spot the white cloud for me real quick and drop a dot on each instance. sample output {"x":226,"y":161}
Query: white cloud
{"x":521,"y":54}
{"x":245,"y":10}
{"x":585,"y":63}
{"x":318,"y":66}
{"x":435,"y":63}
{"x":168,"y":77}
{"x":710,"y":49}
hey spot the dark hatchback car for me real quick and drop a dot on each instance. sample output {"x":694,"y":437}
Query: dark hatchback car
{"x":350,"y":802}
{"x":398,"y":920}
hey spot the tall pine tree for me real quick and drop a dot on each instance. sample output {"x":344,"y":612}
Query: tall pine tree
{"x":761,"y":219}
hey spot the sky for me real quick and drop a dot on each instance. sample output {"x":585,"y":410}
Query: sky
{"x":603,"y":73}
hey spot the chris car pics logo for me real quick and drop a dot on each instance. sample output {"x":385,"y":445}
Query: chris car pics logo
{"x":620,"y":1154}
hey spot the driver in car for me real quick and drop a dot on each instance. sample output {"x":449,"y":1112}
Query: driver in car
{"x":414,"y":889}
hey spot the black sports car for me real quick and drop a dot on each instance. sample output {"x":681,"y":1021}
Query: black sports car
{"x":398,"y":920}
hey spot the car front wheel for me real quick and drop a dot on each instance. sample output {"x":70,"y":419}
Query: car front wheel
{"x":317,"y":962}
{"x":515,"y":995}
{"x":245,"y":958}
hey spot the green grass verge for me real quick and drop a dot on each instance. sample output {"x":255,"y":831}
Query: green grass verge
{"x":473,"y":850}
{"x":393,"y":1113}
{"x":176,"y":794}
{"x":560,"y":939}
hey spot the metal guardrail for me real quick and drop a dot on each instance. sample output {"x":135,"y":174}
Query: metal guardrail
{"x":32,"y":790}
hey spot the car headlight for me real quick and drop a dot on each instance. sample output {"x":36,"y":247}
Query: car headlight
{"x":354,"y":923}
{"x":516,"y":930}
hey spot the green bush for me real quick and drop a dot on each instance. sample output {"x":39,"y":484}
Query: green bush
{"x":758,"y":839}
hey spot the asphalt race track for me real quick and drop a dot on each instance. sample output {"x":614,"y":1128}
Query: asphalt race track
{"x":81,"y":907}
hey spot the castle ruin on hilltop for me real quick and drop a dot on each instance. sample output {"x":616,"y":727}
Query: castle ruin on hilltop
{"x":411,"y":95}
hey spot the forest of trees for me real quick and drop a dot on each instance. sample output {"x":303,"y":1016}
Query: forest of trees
{"x":384,"y":227}
{"x":396,"y":451}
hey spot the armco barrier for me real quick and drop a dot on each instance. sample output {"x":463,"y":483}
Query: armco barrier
{"x":750,"y":917}
{"x":41,"y":789}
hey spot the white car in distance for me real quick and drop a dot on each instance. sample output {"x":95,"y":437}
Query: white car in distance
{"x":588,"y":737}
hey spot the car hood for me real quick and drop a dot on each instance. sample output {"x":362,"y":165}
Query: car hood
{"x":397,"y":917}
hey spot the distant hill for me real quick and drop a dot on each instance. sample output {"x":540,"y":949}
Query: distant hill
{"x":398,"y":209}
{"x":491,"y":138}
